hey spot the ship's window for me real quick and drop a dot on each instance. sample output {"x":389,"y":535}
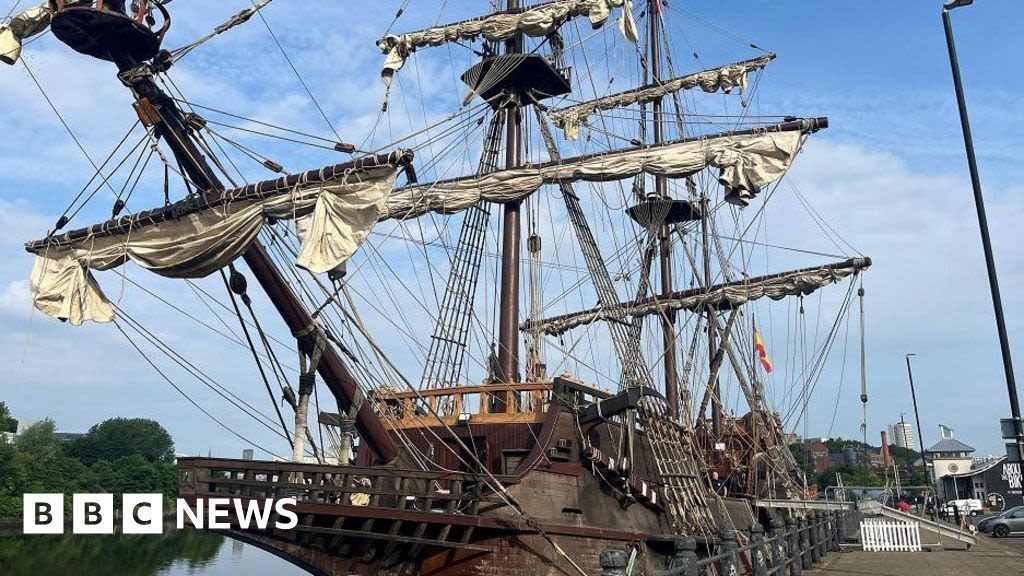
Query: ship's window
{"x":511,"y":459}
{"x":571,"y":511}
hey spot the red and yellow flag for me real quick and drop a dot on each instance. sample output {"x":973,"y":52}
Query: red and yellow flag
{"x":762,"y":352}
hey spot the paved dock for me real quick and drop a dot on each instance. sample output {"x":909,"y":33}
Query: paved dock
{"x":990,"y":557}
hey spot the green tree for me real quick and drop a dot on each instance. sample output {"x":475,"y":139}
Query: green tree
{"x":38,"y":439}
{"x":12,"y":481}
{"x":134,"y":474}
{"x":7,"y":422}
{"x":119,"y":437}
{"x":45,"y":465}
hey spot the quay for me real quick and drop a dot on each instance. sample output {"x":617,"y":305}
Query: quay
{"x":989,"y":557}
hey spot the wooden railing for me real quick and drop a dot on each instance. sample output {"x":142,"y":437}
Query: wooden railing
{"x":528,"y":402}
{"x":447,"y":493}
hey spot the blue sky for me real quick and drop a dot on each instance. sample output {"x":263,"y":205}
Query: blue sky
{"x":889,"y":175}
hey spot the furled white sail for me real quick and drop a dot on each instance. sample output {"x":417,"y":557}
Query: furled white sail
{"x":21,"y":26}
{"x":725,"y":78}
{"x":539,"y":20}
{"x":747,"y":162}
{"x":342,"y":212}
{"x":776,"y":287}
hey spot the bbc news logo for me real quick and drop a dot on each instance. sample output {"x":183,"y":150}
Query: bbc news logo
{"x":144,"y":514}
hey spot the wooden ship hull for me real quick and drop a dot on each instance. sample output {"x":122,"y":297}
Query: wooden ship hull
{"x":561,"y":493}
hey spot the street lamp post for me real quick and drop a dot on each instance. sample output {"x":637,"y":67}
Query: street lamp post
{"x":986,"y":242}
{"x":917,"y":417}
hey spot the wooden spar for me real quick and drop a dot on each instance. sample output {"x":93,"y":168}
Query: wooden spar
{"x":858,"y":263}
{"x":668,"y":319}
{"x":170,"y":124}
{"x":508,"y":321}
{"x":560,"y":112}
{"x":215,"y":195}
{"x":805,"y":125}
{"x":218,"y":197}
{"x":331,"y":367}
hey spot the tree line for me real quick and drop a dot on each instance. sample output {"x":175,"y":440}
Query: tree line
{"x":907,"y":461}
{"x":118,"y":456}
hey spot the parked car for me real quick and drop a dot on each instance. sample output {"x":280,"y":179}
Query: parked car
{"x":1010,"y":523}
{"x":967,"y":507}
{"x":985,"y":524}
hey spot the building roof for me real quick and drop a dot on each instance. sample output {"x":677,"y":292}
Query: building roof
{"x":950,"y":445}
{"x":979,"y":470}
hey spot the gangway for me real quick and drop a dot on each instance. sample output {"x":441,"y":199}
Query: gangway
{"x":937,"y":527}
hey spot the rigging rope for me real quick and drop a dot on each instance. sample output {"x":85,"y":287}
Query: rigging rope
{"x":238,"y":19}
{"x":189,"y":398}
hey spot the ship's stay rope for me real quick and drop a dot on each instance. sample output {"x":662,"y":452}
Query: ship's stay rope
{"x":185,"y":395}
{"x":238,"y":19}
{"x":252,"y":347}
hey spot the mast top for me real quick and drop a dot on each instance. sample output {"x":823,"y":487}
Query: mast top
{"x":106,"y":31}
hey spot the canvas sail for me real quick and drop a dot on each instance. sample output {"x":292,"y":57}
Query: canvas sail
{"x":722,"y":296}
{"x":539,"y":20}
{"x":340,"y":214}
{"x":724,"y":78}
{"x":746,"y":162}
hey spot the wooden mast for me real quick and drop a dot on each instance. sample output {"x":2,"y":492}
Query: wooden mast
{"x":169,"y":122}
{"x":668,"y":317}
{"x":508,"y":324}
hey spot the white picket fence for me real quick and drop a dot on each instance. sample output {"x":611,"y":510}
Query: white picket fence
{"x":885,"y":535}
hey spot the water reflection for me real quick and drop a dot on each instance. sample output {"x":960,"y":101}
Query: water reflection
{"x":174,"y":553}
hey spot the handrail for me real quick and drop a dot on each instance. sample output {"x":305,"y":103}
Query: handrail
{"x":350,"y":486}
{"x":801,"y":544}
{"x":484,"y":389}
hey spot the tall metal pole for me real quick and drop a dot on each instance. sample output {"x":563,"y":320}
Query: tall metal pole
{"x":863,"y":374}
{"x":986,"y":242}
{"x":508,"y":322}
{"x":668,"y":317}
{"x":917,"y":417}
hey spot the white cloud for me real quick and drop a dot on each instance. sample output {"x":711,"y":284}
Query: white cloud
{"x":15,"y":297}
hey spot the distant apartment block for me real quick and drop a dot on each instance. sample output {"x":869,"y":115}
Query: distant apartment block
{"x":902,"y":435}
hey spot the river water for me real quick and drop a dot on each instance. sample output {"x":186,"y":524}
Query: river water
{"x":174,"y":553}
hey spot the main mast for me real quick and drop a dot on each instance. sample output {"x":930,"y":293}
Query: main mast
{"x":668,"y":318}
{"x":508,"y":324}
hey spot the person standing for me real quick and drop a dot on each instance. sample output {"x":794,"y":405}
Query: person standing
{"x":718,"y":485}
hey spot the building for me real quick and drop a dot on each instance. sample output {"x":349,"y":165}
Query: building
{"x":876,"y":460}
{"x":997,"y":483}
{"x":818,"y":452}
{"x":24,"y":424}
{"x":902,"y":435}
{"x":948,"y":456}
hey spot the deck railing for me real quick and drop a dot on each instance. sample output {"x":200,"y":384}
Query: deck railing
{"x":449,"y":493}
{"x":784,"y":551}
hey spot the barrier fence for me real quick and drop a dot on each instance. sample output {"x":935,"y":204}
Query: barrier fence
{"x":784,"y":550}
{"x":885,"y":535}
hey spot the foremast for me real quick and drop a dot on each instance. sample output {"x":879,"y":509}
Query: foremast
{"x":160,"y":112}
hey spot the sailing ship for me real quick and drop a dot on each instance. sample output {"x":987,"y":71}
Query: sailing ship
{"x":501,"y":437}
